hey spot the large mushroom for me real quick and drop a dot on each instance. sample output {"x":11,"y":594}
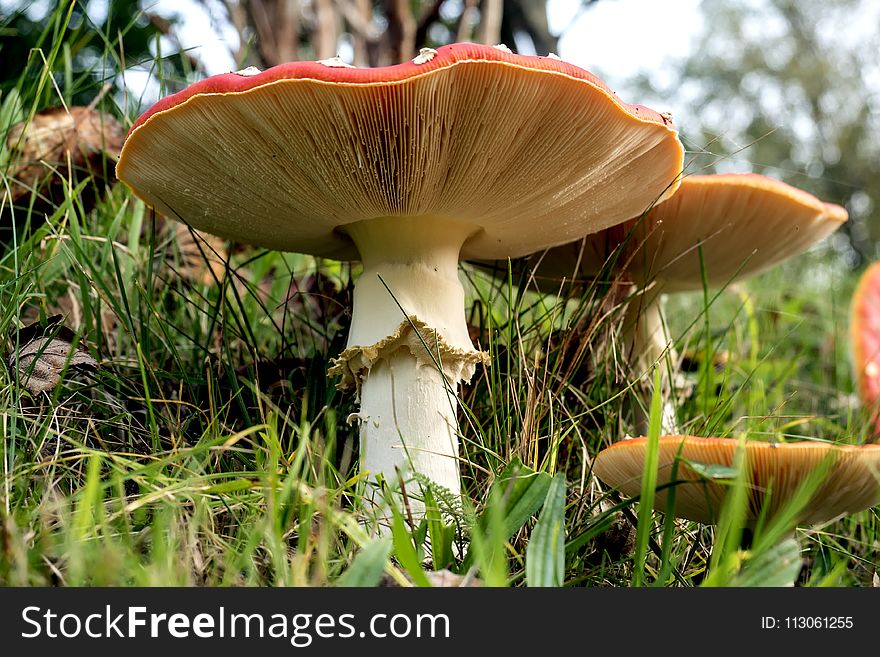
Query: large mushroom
{"x":467,"y":151}
{"x":726,"y":226}
{"x":774,"y":474}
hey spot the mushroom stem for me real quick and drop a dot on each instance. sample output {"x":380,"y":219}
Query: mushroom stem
{"x":408,"y":349}
{"x":408,"y":421}
{"x":410,"y":269}
{"x":648,"y":345}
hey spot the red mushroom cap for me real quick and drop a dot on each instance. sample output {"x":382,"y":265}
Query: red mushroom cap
{"x":445,"y":56}
{"x":865,"y":337}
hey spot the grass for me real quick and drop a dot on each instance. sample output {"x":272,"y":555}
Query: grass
{"x":209,"y":447}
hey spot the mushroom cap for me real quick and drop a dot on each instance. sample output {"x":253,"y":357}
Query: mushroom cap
{"x":530,"y":152}
{"x":852,"y":482}
{"x":865,"y":339}
{"x":742,"y":223}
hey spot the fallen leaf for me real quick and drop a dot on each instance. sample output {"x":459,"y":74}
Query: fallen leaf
{"x":44,"y":352}
{"x":58,"y":144}
{"x":196,"y":256}
{"x":441,"y":579}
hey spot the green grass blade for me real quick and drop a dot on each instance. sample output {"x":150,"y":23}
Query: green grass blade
{"x":368,"y":565}
{"x":545,"y":553}
{"x":778,"y":566}
{"x":520,"y":492}
{"x":405,"y":551}
{"x":649,"y":484}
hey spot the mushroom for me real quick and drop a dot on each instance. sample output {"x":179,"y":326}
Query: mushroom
{"x":468,"y":151}
{"x":775,"y":471}
{"x":865,"y":340}
{"x":728,"y":226}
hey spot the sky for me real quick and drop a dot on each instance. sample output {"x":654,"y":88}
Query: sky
{"x":617,"y":38}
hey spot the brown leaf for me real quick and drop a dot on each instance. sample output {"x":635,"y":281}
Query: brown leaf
{"x":202,"y":257}
{"x":58,"y":139}
{"x":43,"y":354}
{"x":448,"y":579}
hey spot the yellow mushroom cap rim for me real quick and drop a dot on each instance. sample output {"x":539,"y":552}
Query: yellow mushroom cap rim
{"x":775,"y":472}
{"x":726,"y":226}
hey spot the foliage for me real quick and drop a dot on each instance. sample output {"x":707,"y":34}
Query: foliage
{"x":80,"y":46}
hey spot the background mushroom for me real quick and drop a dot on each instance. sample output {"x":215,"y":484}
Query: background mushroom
{"x":726,"y":226}
{"x":775,"y":471}
{"x":468,"y":151}
{"x":865,"y":339}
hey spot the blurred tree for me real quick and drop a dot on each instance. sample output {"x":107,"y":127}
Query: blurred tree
{"x":790,"y":88}
{"x":381,"y":32}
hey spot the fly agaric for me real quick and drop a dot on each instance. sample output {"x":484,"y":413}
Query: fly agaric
{"x":865,"y":339}
{"x":728,"y":226}
{"x":467,"y":151}
{"x":775,"y":471}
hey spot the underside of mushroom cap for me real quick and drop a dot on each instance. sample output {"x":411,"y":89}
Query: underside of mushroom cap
{"x":739,"y":224}
{"x":775,"y":473}
{"x":529,"y":151}
{"x":865,"y":338}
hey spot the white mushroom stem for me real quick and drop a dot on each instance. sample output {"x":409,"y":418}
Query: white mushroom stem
{"x":408,"y":349}
{"x":408,"y":421}
{"x":648,"y":344}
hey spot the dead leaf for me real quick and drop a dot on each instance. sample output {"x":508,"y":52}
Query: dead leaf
{"x":446,"y":578}
{"x":196,"y":256}
{"x":44,"y":351}
{"x":56,"y":141}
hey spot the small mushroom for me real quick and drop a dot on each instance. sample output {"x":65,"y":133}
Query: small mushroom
{"x":741,"y":224}
{"x":775,"y":471}
{"x":473,"y":152}
{"x":865,"y":340}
